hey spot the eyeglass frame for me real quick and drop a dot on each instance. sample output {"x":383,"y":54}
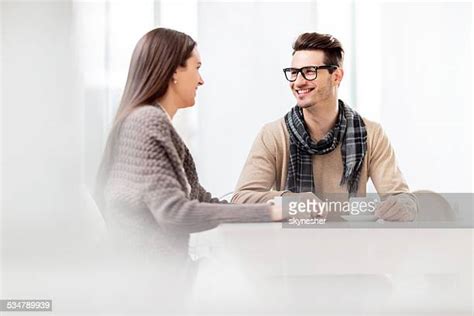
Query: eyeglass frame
{"x":300,"y":70}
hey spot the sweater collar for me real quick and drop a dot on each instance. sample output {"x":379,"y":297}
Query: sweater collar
{"x":167,"y":115}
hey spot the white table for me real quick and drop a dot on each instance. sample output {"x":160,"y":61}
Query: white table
{"x":263,"y":267}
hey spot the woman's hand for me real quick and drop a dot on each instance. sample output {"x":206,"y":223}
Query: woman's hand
{"x":277,"y":212}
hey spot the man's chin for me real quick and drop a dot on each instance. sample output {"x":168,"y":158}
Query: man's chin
{"x":305,"y":105}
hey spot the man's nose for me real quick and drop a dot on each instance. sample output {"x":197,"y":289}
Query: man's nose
{"x":300,"y":80}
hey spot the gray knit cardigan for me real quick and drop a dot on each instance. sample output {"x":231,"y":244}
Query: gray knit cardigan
{"x":153,"y":199}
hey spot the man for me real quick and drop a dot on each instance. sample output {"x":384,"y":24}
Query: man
{"x":322,"y":145}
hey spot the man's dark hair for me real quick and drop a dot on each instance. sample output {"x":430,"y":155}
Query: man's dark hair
{"x":332,"y":48}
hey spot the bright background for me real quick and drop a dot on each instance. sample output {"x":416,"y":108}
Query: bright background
{"x":408,"y":66}
{"x":64,"y":64}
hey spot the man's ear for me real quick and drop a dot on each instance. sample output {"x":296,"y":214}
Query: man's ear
{"x":338,"y":75}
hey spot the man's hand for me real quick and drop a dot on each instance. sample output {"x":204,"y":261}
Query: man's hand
{"x":400,"y":208}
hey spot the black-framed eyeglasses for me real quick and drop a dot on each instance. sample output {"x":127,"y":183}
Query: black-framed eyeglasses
{"x":309,"y":72}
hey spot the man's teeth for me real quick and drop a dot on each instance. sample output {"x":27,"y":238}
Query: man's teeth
{"x":302,"y":91}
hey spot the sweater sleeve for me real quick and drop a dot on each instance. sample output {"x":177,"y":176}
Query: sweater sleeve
{"x":205,"y":196}
{"x":383,"y":168}
{"x":385,"y":174}
{"x":164,"y":194}
{"x":259,"y":173}
{"x":173,"y":210}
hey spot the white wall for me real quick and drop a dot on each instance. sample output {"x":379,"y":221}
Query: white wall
{"x":43,"y":205}
{"x":105,"y":34}
{"x":244,"y":47}
{"x":426,"y":104}
{"x":1,"y":135}
{"x":407,"y":66}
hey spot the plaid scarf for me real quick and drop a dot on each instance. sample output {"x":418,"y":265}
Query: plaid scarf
{"x":349,"y":130}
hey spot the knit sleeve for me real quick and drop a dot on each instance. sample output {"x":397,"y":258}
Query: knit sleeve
{"x":205,"y":196}
{"x":171,"y":208}
{"x":153,"y":158}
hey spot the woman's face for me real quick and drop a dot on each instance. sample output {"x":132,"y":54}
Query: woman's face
{"x":187,"y":79}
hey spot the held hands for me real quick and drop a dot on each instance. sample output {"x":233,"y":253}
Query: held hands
{"x":397,"y":208}
{"x":304,"y":197}
{"x":401,"y":207}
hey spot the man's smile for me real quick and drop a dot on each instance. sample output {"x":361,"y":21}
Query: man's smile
{"x":303,"y":92}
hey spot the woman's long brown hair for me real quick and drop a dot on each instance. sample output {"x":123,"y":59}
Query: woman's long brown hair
{"x":155,"y":59}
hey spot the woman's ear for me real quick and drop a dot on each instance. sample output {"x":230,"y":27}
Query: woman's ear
{"x":174,"y":79}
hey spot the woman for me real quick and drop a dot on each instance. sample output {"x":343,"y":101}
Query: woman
{"x":148,"y":191}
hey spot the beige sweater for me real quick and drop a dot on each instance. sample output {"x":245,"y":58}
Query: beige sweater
{"x":264,"y":174}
